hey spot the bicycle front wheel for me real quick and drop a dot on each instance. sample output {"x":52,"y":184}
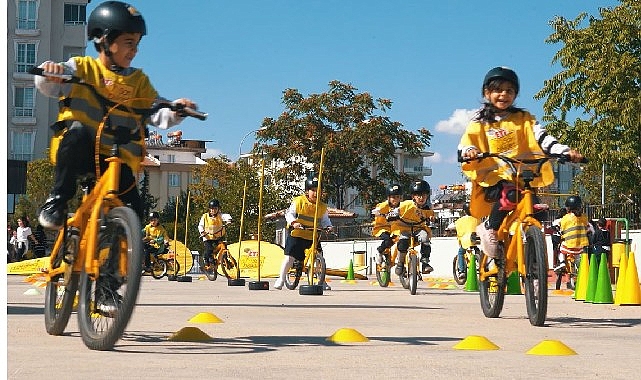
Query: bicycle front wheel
{"x":208,"y":268}
{"x":61,"y":289}
{"x":319,"y":269}
{"x":536,"y":276}
{"x":413,"y":274}
{"x":459,"y":277}
{"x":293,"y":276}
{"x":229,"y":266}
{"x":107,"y":299}
{"x":491,"y":291}
{"x":383,"y":272}
{"x":172,"y":267}
{"x":158,"y":268}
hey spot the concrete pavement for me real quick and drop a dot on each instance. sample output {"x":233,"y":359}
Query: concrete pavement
{"x":281,"y":334}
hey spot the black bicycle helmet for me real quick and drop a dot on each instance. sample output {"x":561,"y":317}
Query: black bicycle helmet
{"x":114,"y":17}
{"x":394,"y":190}
{"x":214,"y":203}
{"x":420,"y":187}
{"x":573,"y":202}
{"x":154,"y":215}
{"x":503,"y":73}
{"x":311,"y":183}
{"x":466,"y":208}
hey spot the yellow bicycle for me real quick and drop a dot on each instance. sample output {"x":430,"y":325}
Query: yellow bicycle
{"x":98,"y":252}
{"x":522,"y":246}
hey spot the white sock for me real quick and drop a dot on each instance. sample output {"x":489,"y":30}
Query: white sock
{"x":288,"y":261}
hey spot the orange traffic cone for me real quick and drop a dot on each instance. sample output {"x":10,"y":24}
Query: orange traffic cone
{"x":582,"y":278}
{"x":603,"y":292}
{"x":632,"y":294}
{"x":623,"y":266}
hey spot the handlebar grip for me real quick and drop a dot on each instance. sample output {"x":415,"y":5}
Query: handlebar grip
{"x":67,"y":78}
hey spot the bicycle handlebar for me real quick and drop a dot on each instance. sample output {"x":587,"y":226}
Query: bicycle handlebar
{"x":180,"y":108}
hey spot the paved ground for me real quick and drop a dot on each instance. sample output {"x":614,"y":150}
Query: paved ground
{"x":282,"y":334}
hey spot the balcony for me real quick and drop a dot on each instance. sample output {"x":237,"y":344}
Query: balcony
{"x":418,"y":171}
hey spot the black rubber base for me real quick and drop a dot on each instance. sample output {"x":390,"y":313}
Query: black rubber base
{"x":171,"y":277}
{"x":310,"y":290}
{"x":235,"y":282}
{"x":183,"y":278}
{"x":258,"y":285}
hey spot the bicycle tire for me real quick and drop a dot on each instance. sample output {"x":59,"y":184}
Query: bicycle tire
{"x":382,"y":272}
{"x":210,"y":270}
{"x":492,"y":292}
{"x":536,"y":277}
{"x":293,"y":276}
{"x":413,"y":274}
{"x":459,"y":277}
{"x":403,"y":278}
{"x":173,"y":267}
{"x":159,"y":268}
{"x":229,"y":265}
{"x":120,"y":239}
{"x":320,"y":269}
{"x":61,"y":290}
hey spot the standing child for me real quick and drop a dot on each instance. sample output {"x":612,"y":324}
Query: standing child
{"x":601,"y":241}
{"x":574,"y":229}
{"x":300,"y":222}
{"x":500,"y":127}
{"x":116,"y":29}
{"x":465,"y":227}
{"x":382,"y":226}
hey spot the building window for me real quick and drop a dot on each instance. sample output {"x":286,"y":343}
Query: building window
{"x":174,"y":179}
{"x":27,"y":14}
{"x":171,"y":158}
{"x":22,"y":146}
{"x":23,"y":102}
{"x":25,"y":56}
{"x":75,"y":14}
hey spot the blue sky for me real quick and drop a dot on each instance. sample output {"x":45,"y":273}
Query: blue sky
{"x":235,"y":58}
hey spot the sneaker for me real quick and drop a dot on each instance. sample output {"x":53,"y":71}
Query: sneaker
{"x":427,"y":268}
{"x":489,"y":242}
{"x":52,"y":214}
{"x":326,"y":286}
{"x":278,"y":284}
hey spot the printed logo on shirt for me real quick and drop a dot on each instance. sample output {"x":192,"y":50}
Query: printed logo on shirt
{"x":501,"y":140}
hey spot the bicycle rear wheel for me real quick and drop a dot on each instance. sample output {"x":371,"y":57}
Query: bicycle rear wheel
{"x":383,"y":272}
{"x":107,"y":299}
{"x":536,"y":276}
{"x":173,"y":267}
{"x":491,"y":291}
{"x":413,"y":274}
{"x":229,"y":265}
{"x":459,"y":277}
{"x":61,"y":289}
{"x":209,"y":269}
{"x":319,"y":269}
{"x":158,"y":268}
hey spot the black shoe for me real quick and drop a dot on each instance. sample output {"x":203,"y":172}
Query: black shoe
{"x":427,"y":268}
{"x":399,"y":270}
{"x":52,"y":214}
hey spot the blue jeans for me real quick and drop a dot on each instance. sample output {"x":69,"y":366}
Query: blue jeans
{"x":461,"y":260}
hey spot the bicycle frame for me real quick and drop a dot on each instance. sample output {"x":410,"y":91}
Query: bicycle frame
{"x":86,"y":219}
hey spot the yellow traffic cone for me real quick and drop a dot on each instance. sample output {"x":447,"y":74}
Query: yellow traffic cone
{"x":632,"y":294}
{"x":603,"y":292}
{"x":582,"y":278}
{"x":623,"y":266}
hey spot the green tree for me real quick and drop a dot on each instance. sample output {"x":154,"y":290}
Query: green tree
{"x":149,"y":202}
{"x":353,"y":129}
{"x":600,"y":81}
{"x":40,"y":174}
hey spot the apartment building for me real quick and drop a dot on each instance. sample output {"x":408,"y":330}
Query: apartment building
{"x":37,"y":30}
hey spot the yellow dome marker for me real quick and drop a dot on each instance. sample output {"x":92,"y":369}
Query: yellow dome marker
{"x":562,"y":292}
{"x":190,"y":334}
{"x":476,"y":342}
{"x":551,"y":347}
{"x":347,"y":335}
{"x":205,"y":318}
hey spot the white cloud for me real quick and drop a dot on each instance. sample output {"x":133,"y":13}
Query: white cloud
{"x":211,"y":153}
{"x":436,"y":158}
{"x":457,"y":123}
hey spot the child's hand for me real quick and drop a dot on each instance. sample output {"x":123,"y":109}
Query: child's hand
{"x":575,"y":156}
{"x":470,"y":153}
{"x":55,"y":68}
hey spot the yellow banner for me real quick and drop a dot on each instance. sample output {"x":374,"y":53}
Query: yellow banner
{"x":28,"y":266}
{"x":271,"y":257}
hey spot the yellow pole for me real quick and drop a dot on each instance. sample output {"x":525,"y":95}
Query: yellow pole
{"x":176,"y":232}
{"x":315,"y":232}
{"x":186,"y":228}
{"x":240,"y":234}
{"x":260,"y":209}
